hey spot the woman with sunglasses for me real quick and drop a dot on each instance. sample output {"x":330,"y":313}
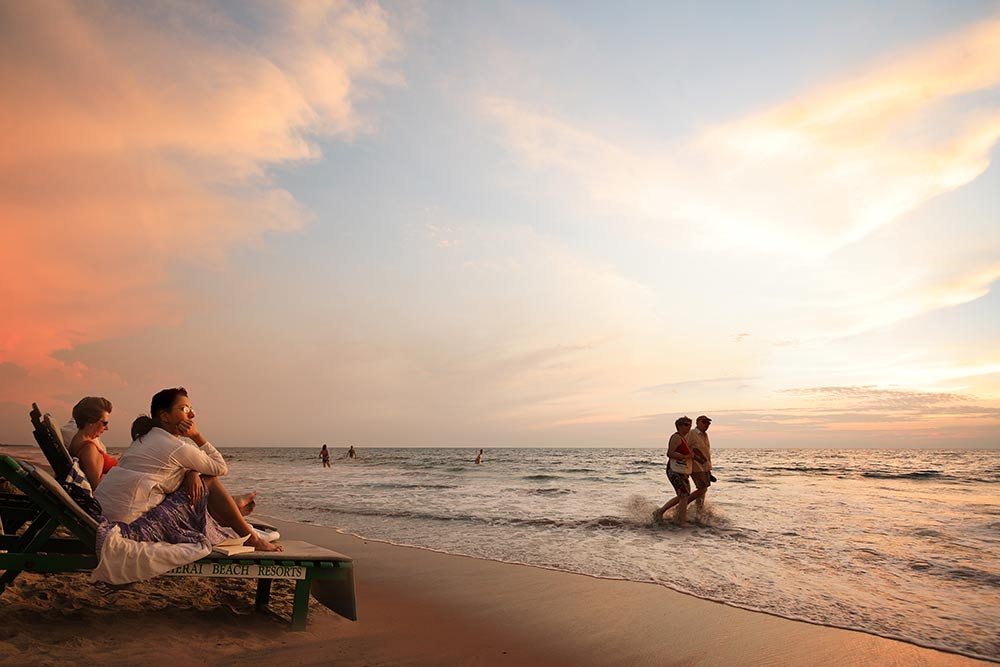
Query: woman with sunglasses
{"x":91,"y":417}
{"x":167,"y":489}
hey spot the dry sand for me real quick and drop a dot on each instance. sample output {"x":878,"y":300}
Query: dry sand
{"x":417,"y":607}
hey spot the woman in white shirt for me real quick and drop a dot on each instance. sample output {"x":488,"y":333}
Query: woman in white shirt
{"x":167,"y":489}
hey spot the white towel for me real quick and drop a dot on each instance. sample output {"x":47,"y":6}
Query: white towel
{"x":123,"y":560}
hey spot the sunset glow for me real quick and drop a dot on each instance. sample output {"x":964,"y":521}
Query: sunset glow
{"x":409,"y":224}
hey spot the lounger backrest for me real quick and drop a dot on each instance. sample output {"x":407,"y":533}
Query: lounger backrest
{"x":53,"y":487}
{"x":50,"y":441}
{"x":50,"y":498}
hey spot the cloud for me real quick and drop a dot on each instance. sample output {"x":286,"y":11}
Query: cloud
{"x":870,"y":398}
{"x":841,"y":416}
{"x":810,"y":174}
{"x":782,"y":199}
{"x":869,"y":148}
{"x":141,"y":138}
{"x":513,"y":327}
{"x":442,"y":237}
{"x":886,"y":413}
{"x":687,"y":385}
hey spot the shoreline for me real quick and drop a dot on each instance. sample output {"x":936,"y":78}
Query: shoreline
{"x":422,"y":606}
{"x":635,"y":632}
{"x":819,"y":624}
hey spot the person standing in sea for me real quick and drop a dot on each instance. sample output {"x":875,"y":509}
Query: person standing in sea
{"x":678,"y":469}
{"x":479,"y":457}
{"x":701,"y":465}
{"x":325,"y":455}
{"x":351,"y":453}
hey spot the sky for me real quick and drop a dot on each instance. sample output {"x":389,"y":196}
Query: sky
{"x":532,"y":224}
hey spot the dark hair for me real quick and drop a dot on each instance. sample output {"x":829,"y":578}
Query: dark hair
{"x":89,"y":410}
{"x":682,"y":420}
{"x":142,"y":425}
{"x":163,"y":400}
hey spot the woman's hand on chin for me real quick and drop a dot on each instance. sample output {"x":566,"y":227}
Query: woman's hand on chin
{"x":189,"y":429}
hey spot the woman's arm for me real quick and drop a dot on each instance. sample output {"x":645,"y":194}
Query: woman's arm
{"x":672,"y":452}
{"x":91,"y":462}
{"x":205,"y":459}
{"x":200,"y":457}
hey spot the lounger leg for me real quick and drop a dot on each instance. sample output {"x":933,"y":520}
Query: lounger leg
{"x":263,"y":594}
{"x":300,"y":608}
{"x":7,"y":577}
{"x":36,"y":535}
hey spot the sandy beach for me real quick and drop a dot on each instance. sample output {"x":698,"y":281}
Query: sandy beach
{"x":418,"y":607}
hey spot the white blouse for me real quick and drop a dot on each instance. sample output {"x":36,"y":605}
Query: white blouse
{"x":152,"y":467}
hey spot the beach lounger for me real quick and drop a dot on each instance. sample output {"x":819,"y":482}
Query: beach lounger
{"x":37,"y":550}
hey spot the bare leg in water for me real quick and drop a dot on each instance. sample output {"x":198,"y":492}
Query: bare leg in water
{"x":681,"y":512}
{"x":699,"y":497}
{"x":224,"y":508}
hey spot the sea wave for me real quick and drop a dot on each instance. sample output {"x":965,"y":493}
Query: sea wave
{"x":397,"y":485}
{"x":916,"y":474}
{"x":788,"y":515}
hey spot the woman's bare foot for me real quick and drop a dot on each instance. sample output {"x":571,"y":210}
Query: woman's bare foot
{"x":260,"y":545}
{"x":246,"y":502}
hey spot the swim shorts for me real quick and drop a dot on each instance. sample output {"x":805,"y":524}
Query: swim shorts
{"x":680,"y":482}
{"x":701,"y":479}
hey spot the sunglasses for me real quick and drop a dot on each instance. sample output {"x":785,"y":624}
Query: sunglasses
{"x":103,"y":422}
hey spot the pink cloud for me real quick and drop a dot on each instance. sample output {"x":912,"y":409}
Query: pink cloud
{"x":140,"y":137}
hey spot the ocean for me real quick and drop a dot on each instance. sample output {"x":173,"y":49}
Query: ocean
{"x":902,"y":544}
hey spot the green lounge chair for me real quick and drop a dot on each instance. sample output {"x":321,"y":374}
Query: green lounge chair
{"x":15,"y":511}
{"x":37,"y":550}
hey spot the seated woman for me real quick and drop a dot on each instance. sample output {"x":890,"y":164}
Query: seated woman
{"x":166,"y":489}
{"x":91,"y":417}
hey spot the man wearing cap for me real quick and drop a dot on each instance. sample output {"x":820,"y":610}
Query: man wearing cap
{"x":701,"y":465}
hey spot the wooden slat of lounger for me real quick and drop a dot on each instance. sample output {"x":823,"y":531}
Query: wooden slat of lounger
{"x":49,"y":439}
{"x":261,"y":523}
{"x":294,"y":551}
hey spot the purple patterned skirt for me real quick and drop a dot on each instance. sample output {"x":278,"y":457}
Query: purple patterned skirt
{"x":175,"y":520}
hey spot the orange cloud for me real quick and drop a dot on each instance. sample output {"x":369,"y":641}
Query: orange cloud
{"x":135,"y":139}
{"x":869,"y":148}
{"x":806,"y":175}
{"x":805,"y":178}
